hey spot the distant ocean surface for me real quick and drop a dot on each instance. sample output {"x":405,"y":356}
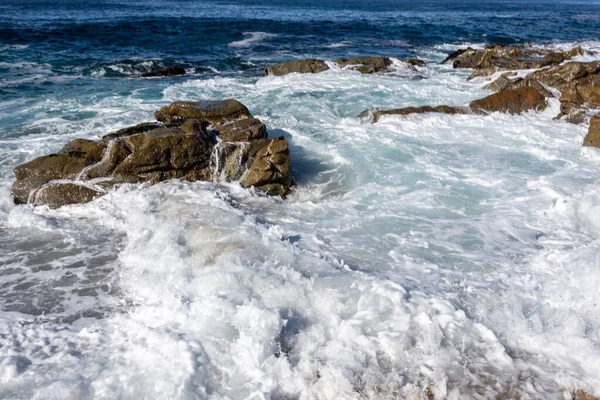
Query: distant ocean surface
{"x":426,"y":256}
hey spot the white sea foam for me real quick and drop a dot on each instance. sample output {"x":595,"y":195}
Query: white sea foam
{"x":251,"y":38}
{"x":450,"y":256}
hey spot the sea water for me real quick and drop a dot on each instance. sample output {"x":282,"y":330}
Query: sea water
{"x":425,"y":256}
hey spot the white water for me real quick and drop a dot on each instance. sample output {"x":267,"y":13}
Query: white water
{"x":449,"y":255}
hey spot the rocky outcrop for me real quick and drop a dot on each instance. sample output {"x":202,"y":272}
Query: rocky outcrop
{"x":513,"y":101}
{"x":502,"y":82}
{"x":365,"y":65}
{"x":593,"y":136}
{"x":167,"y":71}
{"x":496,"y":57}
{"x":375,"y":114}
{"x":310,"y":66}
{"x":206,"y":140}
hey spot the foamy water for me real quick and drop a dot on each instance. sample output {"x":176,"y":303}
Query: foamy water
{"x":426,"y":255}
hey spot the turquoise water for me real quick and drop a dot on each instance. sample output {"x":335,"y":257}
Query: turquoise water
{"x":451,"y":256}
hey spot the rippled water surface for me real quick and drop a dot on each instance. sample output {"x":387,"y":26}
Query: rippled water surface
{"x":454,"y":257}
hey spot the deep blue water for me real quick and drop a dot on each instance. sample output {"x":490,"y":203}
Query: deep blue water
{"x":83,"y":35}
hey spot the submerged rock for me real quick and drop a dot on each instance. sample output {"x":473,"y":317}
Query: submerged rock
{"x":167,"y":71}
{"x":310,"y":66}
{"x":366,"y":65}
{"x":376,"y":114}
{"x":415,"y":62}
{"x":581,"y":395}
{"x":513,"y":101}
{"x":207,"y":140}
{"x":593,"y":136}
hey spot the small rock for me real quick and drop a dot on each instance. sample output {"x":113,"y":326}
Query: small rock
{"x":366,"y":65}
{"x":415,"y":62}
{"x":167,"y":71}
{"x":375,"y":115}
{"x":310,"y":66}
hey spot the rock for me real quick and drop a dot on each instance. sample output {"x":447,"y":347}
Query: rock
{"x":211,"y":111}
{"x":55,"y":195}
{"x":271,"y":169}
{"x":242,"y":130}
{"x":581,"y":395}
{"x":513,"y":101}
{"x":365,"y":65}
{"x":500,"y":83}
{"x":375,"y":115}
{"x":132,"y":130}
{"x":415,"y":62}
{"x":208,"y":140}
{"x":497,"y":57}
{"x":310,"y":66}
{"x":167,"y":71}
{"x":579,"y":84}
{"x":66,"y":164}
{"x":593,"y":136}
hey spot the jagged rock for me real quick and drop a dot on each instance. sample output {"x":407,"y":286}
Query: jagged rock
{"x":59,"y":194}
{"x":210,"y":111}
{"x":579,"y":84}
{"x":366,"y":65}
{"x":415,"y":62}
{"x":513,"y":101}
{"x":167,"y":71}
{"x":593,"y":136}
{"x":376,"y":114}
{"x":271,"y":169}
{"x":208,"y":140}
{"x":310,"y":66}
{"x":502,"y":82}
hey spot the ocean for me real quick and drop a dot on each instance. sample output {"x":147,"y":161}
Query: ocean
{"x":427,"y":256}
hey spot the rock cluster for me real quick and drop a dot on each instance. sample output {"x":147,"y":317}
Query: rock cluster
{"x":206,"y":140}
{"x":365,"y":65}
{"x":577,"y":84}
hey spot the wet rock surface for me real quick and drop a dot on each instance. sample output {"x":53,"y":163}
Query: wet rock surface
{"x":207,"y":140}
{"x":167,"y":71}
{"x":593,"y":136}
{"x":310,"y":66}
{"x":366,"y":65}
{"x":513,"y":101}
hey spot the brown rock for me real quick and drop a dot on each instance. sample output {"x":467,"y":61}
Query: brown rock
{"x":581,"y":395}
{"x":242,"y":130}
{"x":593,"y":136}
{"x":513,"y":101}
{"x":375,"y":115}
{"x":271,"y":169}
{"x":310,"y":66}
{"x":500,"y":83}
{"x":132,"y":130}
{"x":211,"y":111}
{"x":67,"y":164}
{"x":366,"y":65}
{"x":56,"y":195}
{"x":182,"y":148}
{"x":167,"y":71}
{"x":415,"y":62}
